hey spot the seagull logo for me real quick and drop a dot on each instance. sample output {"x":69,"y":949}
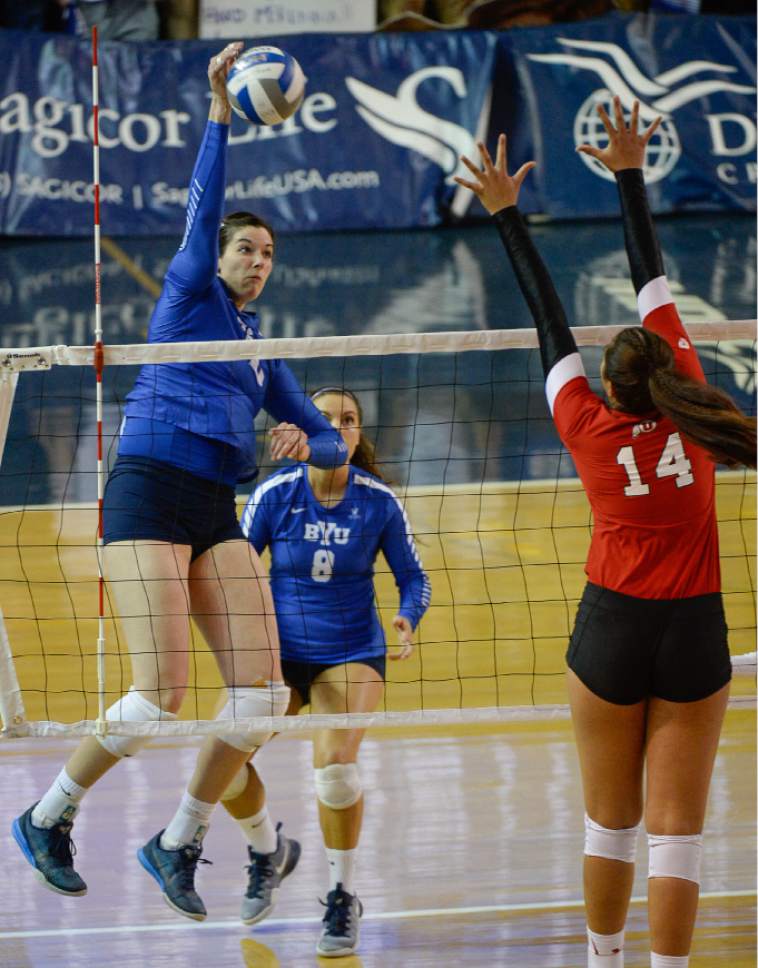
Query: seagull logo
{"x":661,"y":94}
{"x":399,"y":118}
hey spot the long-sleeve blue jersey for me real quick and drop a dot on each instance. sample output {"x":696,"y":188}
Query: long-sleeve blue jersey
{"x":217,"y":400}
{"x":322,"y":563}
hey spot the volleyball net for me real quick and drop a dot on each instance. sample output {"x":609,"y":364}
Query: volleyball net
{"x":462,"y":433}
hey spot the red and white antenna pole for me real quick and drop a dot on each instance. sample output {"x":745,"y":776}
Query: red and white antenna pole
{"x":98,"y":363}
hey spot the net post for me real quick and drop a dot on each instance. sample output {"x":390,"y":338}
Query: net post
{"x":12,"y":710}
{"x":8,"y":383}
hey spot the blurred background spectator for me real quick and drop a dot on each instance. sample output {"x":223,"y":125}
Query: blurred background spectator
{"x":121,"y":19}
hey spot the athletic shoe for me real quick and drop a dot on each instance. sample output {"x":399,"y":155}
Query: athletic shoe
{"x":341,"y":924}
{"x":174,"y":870}
{"x":50,"y":851}
{"x":266,"y":872}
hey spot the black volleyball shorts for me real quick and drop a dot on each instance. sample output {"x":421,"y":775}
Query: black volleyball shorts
{"x":300,"y":675}
{"x":627,"y":649}
{"x":146,"y":499}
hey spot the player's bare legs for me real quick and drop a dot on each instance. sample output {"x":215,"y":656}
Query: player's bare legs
{"x":610,"y":741}
{"x":681,"y":750}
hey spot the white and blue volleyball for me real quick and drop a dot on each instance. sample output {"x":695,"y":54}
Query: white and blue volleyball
{"x":265,"y":85}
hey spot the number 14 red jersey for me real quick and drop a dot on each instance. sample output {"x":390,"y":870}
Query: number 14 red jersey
{"x":651,"y":492}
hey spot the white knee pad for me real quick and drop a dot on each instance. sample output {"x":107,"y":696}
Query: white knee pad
{"x":613,"y":844}
{"x":238,"y":784}
{"x":338,"y":785}
{"x":675,"y":856}
{"x":246,"y":702}
{"x":131,"y":708}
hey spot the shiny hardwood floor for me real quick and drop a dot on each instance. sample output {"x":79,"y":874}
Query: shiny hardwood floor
{"x":470,"y":856}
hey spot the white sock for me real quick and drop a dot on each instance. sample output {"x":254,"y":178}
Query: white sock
{"x":341,"y":868}
{"x":605,"y":950}
{"x":669,"y":961}
{"x":61,"y":802}
{"x":189,"y":824}
{"x":259,"y":831}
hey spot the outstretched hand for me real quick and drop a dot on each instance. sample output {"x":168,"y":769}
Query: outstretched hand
{"x":220,"y":66}
{"x":218,"y":69}
{"x":494,"y":187}
{"x":626,"y":145}
{"x":404,"y":638}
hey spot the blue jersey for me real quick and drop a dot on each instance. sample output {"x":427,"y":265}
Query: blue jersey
{"x":216,"y":400}
{"x":322,"y":563}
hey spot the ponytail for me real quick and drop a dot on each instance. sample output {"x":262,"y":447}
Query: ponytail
{"x":640,"y":367}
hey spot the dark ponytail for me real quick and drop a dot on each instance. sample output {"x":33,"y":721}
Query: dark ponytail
{"x":364,"y":457}
{"x":640,"y":366}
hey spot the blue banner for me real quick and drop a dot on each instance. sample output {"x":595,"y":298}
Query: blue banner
{"x":699,"y":73}
{"x":375,"y":144}
{"x":377,"y":140}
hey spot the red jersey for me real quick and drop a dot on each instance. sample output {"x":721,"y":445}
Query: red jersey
{"x":652,"y":493}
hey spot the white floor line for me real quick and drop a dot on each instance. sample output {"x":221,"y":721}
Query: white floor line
{"x":290,"y":922}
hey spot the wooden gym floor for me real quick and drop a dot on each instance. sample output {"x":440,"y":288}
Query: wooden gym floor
{"x":471,"y":852}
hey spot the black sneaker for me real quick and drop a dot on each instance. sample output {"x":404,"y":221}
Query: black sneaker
{"x":265,"y":873}
{"x":341,"y":924}
{"x":174,"y":870}
{"x":50,"y":851}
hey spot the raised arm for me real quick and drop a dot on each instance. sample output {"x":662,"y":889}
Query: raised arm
{"x":624,"y":155}
{"x":498,"y":192}
{"x":194,"y":266}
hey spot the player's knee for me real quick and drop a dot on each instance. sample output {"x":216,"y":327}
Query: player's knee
{"x":612,"y":844}
{"x":171,"y":699}
{"x":338,"y":785}
{"x":238,"y":784}
{"x":675,"y":855}
{"x":131,"y":708}
{"x":251,"y":702}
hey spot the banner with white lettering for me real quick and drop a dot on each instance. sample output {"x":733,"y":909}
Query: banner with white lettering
{"x":385,"y":119}
{"x":699,"y":73}
{"x":375,"y":144}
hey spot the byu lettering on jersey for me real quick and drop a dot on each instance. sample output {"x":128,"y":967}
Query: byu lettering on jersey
{"x":322,"y":564}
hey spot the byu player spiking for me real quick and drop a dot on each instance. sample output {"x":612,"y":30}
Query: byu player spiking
{"x":174,"y":547}
{"x":648,"y":659}
{"x":325,"y":529}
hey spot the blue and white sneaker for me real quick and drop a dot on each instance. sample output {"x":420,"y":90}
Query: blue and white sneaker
{"x":266,"y":872}
{"x":50,"y":851}
{"x":340,"y":934}
{"x":174,"y":871}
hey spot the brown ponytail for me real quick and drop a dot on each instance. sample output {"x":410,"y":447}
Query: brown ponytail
{"x":640,"y":366}
{"x":364,"y":457}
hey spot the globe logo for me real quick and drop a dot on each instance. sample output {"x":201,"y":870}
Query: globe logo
{"x":663,"y":151}
{"x":661,"y":94}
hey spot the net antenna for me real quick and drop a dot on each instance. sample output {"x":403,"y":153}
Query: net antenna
{"x":98,"y":364}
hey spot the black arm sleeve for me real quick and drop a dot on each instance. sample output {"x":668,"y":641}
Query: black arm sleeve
{"x":642,"y":248}
{"x":555,"y":336}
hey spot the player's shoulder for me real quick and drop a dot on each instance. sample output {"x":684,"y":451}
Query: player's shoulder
{"x":375,"y":490}
{"x":371,"y":482}
{"x":281,"y":481}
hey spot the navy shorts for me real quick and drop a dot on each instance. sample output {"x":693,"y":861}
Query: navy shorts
{"x":627,"y":649}
{"x":300,"y":675}
{"x":149,"y":500}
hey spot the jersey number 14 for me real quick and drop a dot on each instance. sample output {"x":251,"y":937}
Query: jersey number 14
{"x":673,"y":462}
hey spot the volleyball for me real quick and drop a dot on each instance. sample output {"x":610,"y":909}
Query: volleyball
{"x":265,"y":85}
